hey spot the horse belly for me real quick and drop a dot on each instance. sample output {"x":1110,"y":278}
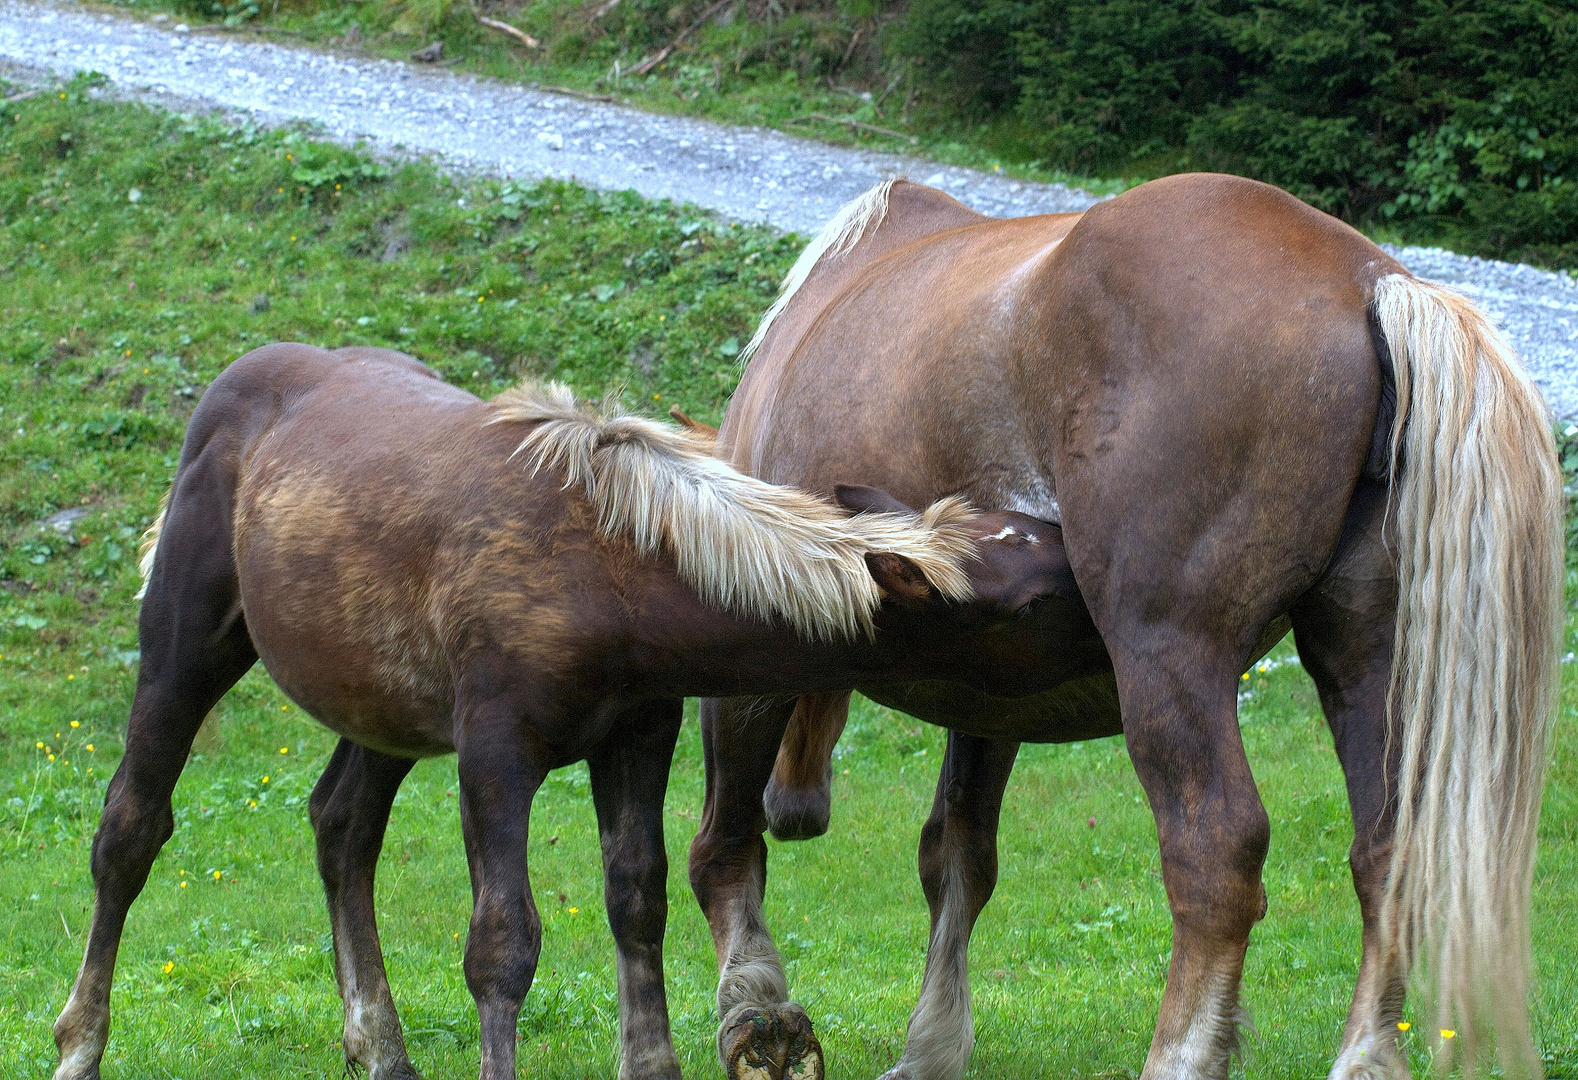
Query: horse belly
{"x":1082,"y":708}
{"x":344,"y":628}
{"x":386,"y":695}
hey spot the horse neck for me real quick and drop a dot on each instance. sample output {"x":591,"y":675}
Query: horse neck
{"x":694,"y":649}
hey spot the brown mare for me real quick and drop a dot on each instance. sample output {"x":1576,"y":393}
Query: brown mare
{"x":524,"y":585}
{"x":1244,"y":414}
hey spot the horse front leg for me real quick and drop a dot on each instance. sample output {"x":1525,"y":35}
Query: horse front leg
{"x":501,"y":767}
{"x":1180,"y":724}
{"x":761,"y":1035}
{"x":350,"y":812}
{"x":629,"y":778}
{"x":958,"y":870}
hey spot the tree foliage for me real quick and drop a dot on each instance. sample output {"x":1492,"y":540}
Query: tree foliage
{"x":1451,"y":109}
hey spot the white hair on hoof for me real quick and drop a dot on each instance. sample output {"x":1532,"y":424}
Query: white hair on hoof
{"x":836,"y":237}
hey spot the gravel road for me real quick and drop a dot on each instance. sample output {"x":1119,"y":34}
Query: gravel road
{"x":496,"y":128}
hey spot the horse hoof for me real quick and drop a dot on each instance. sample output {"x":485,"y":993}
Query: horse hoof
{"x":399,"y":1069}
{"x":769,"y":1042}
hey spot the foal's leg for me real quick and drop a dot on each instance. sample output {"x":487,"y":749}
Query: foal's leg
{"x":762,"y":1035}
{"x":501,"y":768}
{"x":349,"y":811}
{"x":194,"y":647}
{"x":958,"y":866}
{"x":629,"y":778}
{"x":1344,"y":630}
{"x":799,"y":797}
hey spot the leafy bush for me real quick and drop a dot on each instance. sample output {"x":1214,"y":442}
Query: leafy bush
{"x":1401,"y":110}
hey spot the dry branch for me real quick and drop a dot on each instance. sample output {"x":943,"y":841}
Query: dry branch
{"x":861,"y":124}
{"x":668,"y":50}
{"x":505,"y":28}
{"x":571,"y":92}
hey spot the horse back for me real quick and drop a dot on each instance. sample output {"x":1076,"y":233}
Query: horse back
{"x":901,"y":213}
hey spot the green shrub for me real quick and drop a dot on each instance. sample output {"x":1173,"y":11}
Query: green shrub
{"x":1402,"y":110}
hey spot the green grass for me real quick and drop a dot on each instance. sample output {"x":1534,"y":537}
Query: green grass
{"x":232,"y":977}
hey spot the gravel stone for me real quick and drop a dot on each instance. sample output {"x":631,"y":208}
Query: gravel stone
{"x":502,"y":129}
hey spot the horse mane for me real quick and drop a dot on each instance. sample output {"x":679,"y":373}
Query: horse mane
{"x":752,"y":548}
{"x":836,"y":238}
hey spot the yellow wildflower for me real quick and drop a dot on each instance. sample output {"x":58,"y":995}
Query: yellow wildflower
{"x":1447,"y":1033}
{"x":1403,"y":1025}
{"x":169,"y":967}
{"x":74,"y":723}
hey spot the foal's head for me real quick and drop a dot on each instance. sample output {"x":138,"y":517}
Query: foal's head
{"x":1016,"y":560}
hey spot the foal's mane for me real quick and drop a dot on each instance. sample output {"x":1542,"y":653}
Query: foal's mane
{"x":836,"y":237}
{"x":749,"y":547}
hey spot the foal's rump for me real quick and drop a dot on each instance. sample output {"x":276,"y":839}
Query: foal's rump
{"x":343,"y":467}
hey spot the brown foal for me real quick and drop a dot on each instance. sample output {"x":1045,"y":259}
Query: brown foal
{"x":1244,"y":415}
{"x":525,"y":585}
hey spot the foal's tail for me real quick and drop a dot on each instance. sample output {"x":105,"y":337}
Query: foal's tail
{"x":149,"y":548}
{"x":1478,"y":505}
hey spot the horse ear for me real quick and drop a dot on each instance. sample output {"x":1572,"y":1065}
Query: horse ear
{"x":858,"y":499}
{"x":899,"y":579}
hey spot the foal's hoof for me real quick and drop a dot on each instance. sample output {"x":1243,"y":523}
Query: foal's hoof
{"x":769,"y":1042}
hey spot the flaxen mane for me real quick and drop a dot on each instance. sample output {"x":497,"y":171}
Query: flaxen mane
{"x":836,"y":237}
{"x":750,"y":547}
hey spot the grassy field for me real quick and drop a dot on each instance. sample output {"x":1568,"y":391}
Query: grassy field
{"x":140,"y":253}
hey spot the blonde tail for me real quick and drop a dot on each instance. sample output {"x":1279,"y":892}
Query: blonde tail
{"x":1478,"y":513}
{"x":150,"y":546}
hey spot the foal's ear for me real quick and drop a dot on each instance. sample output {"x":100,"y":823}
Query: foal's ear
{"x":900,"y":580}
{"x":858,"y":498}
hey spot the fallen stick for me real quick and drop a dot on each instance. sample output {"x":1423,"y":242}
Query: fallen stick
{"x":582,"y":94}
{"x":505,"y":28}
{"x":23,"y":96}
{"x":861,"y":124}
{"x":245,"y":28}
{"x":668,"y":50}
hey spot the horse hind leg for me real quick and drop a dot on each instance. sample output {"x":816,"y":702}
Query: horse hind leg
{"x":194,"y":647}
{"x":350,"y":811}
{"x":1182,"y":734}
{"x":1344,"y":629}
{"x":799,"y":797}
